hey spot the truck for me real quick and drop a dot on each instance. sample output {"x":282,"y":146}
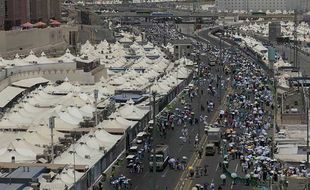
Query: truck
{"x":161,"y":157}
{"x":214,"y":135}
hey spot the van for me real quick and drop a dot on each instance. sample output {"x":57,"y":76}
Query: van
{"x":210,"y":149}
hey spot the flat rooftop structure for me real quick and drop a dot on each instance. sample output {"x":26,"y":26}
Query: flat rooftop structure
{"x":46,"y":165}
{"x":124,"y":97}
{"x":12,"y":186}
{"x":29,"y":83}
{"x":8,"y":94}
{"x":299,"y":81}
{"x":182,"y":42}
{"x":26,"y":172}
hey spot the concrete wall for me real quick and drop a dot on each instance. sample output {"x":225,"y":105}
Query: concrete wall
{"x":53,"y":72}
{"x":22,"y":41}
{"x":27,"y":39}
{"x":293,"y":118}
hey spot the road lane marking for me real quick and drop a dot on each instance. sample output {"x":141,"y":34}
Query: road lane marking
{"x":217,"y":167}
{"x":236,"y":168}
{"x":213,"y":118}
{"x":164,"y":174}
{"x":145,"y":174}
{"x":180,"y":149}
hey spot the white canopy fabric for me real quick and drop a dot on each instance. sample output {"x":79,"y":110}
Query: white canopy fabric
{"x":31,"y":58}
{"x":131,"y":112}
{"x":41,"y":136}
{"x":108,"y":140}
{"x":8,"y":94}
{"x":116,"y":124}
{"x":21,"y":150}
{"x":28,"y":83}
{"x":62,"y":180}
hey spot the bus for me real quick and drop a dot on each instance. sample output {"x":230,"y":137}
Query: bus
{"x":259,"y":13}
{"x":161,"y":14}
{"x":144,"y":12}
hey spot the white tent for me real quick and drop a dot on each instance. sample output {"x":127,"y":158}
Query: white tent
{"x":131,"y":112}
{"x":108,"y":140}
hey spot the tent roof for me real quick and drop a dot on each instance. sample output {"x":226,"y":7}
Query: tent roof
{"x":28,"y":83}
{"x":8,"y":94}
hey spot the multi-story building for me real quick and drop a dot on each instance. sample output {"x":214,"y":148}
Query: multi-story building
{"x":274,"y":31}
{"x":262,"y":5}
{"x":44,"y":10}
{"x":17,"y":12}
{"x":1,"y":13}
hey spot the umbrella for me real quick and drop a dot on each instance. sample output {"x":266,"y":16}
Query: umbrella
{"x":171,"y":160}
{"x":223,"y":176}
{"x":55,"y":23}
{"x":40,"y":24}
{"x":27,"y":25}
{"x":234,"y":175}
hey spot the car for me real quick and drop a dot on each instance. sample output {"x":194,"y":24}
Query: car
{"x":210,"y":149}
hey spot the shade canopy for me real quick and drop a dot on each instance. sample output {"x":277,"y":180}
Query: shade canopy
{"x":27,"y":25}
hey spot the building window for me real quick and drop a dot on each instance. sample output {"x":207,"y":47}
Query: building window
{"x":6,"y":9}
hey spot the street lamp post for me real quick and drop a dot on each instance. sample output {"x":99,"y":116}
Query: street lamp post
{"x":73,"y":152}
{"x":307,"y":164}
{"x":154,"y":145}
{"x":52,"y":126}
{"x":96,"y":102}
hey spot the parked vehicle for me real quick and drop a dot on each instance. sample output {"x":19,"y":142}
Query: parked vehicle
{"x":214,"y":136}
{"x":161,"y":157}
{"x":210,"y":149}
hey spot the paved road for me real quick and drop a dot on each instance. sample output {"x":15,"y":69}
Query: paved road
{"x":172,"y":179}
{"x":302,"y":58}
{"x":168,"y":178}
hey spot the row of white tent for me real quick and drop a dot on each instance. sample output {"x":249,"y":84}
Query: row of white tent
{"x":287,"y":29}
{"x":89,"y":149}
{"x":258,"y":47}
{"x":72,"y":103}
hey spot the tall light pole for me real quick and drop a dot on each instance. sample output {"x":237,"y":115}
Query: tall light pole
{"x":96,"y":102}
{"x":306,"y":101}
{"x":154,"y":144}
{"x":73,"y":152}
{"x":51,"y":125}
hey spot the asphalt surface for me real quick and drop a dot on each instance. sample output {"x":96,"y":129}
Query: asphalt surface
{"x":178,"y":179}
{"x":169,"y":178}
{"x":302,"y":58}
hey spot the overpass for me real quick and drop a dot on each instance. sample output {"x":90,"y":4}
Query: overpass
{"x":199,"y":15}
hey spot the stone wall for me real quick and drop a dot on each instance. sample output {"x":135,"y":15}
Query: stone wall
{"x":22,"y":41}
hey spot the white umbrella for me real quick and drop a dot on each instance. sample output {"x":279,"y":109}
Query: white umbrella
{"x":171,"y":160}
{"x":234,"y":175}
{"x":223,"y":176}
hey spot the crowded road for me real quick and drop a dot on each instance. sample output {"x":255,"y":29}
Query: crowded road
{"x":169,"y":178}
{"x":212,"y":99}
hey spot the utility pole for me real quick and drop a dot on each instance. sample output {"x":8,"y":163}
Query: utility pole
{"x":96,"y":102}
{"x":220,"y":65}
{"x":307,"y":111}
{"x":154,"y":144}
{"x":295,"y":33}
{"x":275,"y":106}
{"x":52,"y":126}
